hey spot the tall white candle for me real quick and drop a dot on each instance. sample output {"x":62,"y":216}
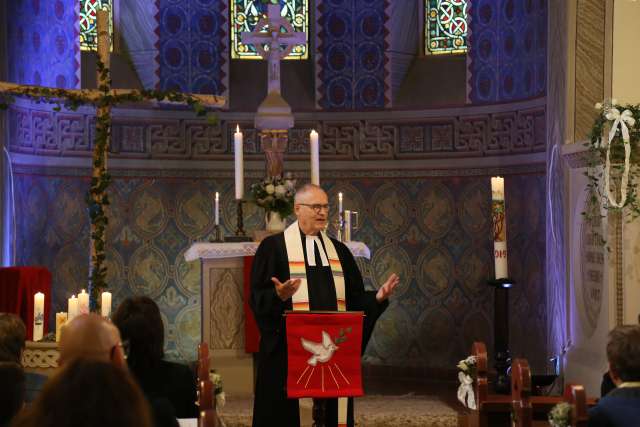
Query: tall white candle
{"x":237,"y":147}
{"x":61,"y":319}
{"x":105,"y":305}
{"x":38,"y":316}
{"x":315,"y":157}
{"x":340,"y":203}
{"x":83,"y":302}
{"x":216,"y":209}
{"x":498,"y":214}
{"x":72,"y":308}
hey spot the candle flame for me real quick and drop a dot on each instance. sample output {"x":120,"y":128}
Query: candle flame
{"x":237,"y":128}
{"x":217,"y":195}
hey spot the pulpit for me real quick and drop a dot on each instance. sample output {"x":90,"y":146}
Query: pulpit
{"x":227,"y":321}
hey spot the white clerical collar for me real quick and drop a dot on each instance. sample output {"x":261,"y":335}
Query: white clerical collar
{"x":311,"y":255}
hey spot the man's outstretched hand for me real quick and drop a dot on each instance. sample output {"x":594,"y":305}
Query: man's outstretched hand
{"x":387,"y":289}
{"x":287,"y":289}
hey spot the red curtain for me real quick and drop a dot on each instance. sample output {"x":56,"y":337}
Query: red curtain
{"x":18,"y":285}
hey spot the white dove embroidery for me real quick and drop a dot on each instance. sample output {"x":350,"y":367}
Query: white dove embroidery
{"x":322,"y":352}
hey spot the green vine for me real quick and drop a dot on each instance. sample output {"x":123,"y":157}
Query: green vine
{"x":103,"y":100}
{"x":597,"y":144}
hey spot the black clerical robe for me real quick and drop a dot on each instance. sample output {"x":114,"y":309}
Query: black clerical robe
{"x":271,"y":405}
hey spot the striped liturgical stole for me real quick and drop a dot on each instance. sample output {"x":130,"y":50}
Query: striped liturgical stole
{"x":297,"y":270}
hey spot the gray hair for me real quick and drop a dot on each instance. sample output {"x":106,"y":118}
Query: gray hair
{"x":303,"y":192}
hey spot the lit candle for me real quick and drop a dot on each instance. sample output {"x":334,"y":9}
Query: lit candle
{"x":105,"y":306}
{"x":237,"y":147}
{"x":38,"y":316}
{"x":61,"y":319}
{"x":340,"y":203}
{"x":83,"y":302}
{"x":72,"y":308}
{"x":498,"y":215}
{"x":315,"y":158}
{"x":217,"y":209}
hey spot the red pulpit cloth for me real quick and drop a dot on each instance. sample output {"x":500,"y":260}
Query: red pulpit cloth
{"x":324,"y":354}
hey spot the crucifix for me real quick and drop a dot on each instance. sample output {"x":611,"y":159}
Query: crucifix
{"x":274,"y":117}
{"x":103,"y":98}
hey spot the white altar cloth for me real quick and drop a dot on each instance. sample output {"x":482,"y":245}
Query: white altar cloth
{"x":204,"y":250}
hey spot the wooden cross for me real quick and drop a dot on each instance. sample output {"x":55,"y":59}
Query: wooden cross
{"x":275,"y":40}
{"x":103,"y":98}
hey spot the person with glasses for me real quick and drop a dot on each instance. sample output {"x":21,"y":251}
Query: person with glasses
{"x":295,"y":268}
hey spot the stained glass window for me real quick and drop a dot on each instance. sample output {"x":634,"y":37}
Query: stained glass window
{"x":245,"y":14}
{"x":88,"y":33}
{"x":445,"y":26}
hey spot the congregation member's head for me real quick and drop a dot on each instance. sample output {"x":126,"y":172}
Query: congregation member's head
{"x":311,"y":207}
{"x":88,"y":392}
{"x":142,"y":330}
{"x":89,"y":336}
{"x":12,"y":391}
{"x":12,"y":338}
{"x":623,"y":353}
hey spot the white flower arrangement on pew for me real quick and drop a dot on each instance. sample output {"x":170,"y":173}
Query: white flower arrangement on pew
{"x":467,"y":376}
{"x":220,"y":397}
{"x":560,"y":415}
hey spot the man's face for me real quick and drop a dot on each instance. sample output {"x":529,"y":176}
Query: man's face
{"x":312,"y":211}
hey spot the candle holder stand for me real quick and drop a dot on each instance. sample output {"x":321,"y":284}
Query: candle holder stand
{"x":240,"y":235}
{"x":502,"y":356}
{"x":216,"y":236}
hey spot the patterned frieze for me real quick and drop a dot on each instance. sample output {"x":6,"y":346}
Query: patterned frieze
{"x":37,"y":129}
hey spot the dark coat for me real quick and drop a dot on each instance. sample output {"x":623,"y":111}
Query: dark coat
{"x":619,"y":408}
{"x":271,"y":406}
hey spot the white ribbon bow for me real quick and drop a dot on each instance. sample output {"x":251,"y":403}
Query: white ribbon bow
{"x":465,"y":391}
{"x":619,"y":120}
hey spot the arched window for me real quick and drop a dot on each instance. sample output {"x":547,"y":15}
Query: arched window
{"x":88,"y":33}
{"x":445,"y":26}
{"x":245,"y":14}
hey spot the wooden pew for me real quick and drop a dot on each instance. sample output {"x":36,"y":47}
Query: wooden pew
{"x":206,"y":390}
{"x":577,"y":398}
{"x":492,"y":409}
{"x":521,"y":399}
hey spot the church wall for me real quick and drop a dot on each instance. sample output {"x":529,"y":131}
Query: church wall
{"x":43,"y":42}
{"x":508,"y":50}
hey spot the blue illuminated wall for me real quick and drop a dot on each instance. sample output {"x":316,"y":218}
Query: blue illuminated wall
{"x":508,"y":50}
{"x":43,"y":42}
{"x":193,"y":45}
{"x":351,"y":63}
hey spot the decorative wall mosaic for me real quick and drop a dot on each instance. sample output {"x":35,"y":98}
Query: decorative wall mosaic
{"x":43,"y":43}
{"x":435,"y":233}
{"x":508,"y":50}
{"x":351,"y":54}
{"x":193,"y":46}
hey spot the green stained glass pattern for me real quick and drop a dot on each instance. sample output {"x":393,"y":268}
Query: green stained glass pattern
{"x":245,"y":14}
{"x":445,"y":27}
{"x":88,"y":32}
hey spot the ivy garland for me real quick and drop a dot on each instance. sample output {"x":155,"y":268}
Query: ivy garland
{"x":103,"y":100}
{"x":601,"y":139}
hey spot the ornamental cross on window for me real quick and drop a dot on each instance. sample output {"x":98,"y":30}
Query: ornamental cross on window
{"x":245,"y":14}
{"x":445,"y":26}
{"x":88,"y":33}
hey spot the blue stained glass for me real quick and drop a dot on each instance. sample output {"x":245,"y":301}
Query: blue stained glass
{"x":88,"y":31}
{"x":446,"y":26}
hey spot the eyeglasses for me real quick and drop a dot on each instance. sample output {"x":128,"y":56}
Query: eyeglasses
{"x":316,"y":207}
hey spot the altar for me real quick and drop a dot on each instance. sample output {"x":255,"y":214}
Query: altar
{"x":224,"y":291}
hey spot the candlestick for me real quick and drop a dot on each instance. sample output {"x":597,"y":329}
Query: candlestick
{"x":83,"y":302}
{"x":237,"y":146}
{"x":216,"y":209}
{"x":106,"y":304}
{"x":315,"y":158}
{"x":498,"y":215}
{"x":38,"y":316}
{"x":61,"y":319}
{"x":72,"y":308}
